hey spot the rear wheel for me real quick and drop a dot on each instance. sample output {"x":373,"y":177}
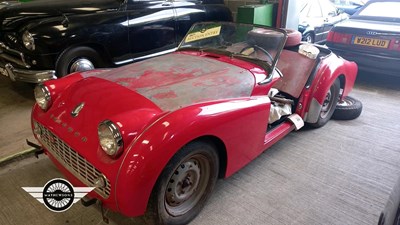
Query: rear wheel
{"x":184,"y":185}
{"x":78,"y":59}
{"x":329,"y":104}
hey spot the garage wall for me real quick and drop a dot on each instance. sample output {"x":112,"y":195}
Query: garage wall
{"x":234,"y":4}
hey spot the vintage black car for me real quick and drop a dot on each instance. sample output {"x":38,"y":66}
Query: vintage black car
{"x":45,"y":39}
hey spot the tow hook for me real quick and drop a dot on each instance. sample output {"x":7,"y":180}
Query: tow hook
{"x":38,"y":149}
{"x":103,"y":214}
{"x":90,"y":201}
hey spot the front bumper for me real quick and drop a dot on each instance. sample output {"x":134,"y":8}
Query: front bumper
{"x":9,"y":58}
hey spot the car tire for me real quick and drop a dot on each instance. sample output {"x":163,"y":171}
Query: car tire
{"x":309,"y":38}
{"x":184,"y":185}
{"x":347,"y":109}
{"x":77,"y":59}
{"x":329,"y":105}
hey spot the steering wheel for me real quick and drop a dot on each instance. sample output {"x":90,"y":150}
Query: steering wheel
{"x":258,"y":48}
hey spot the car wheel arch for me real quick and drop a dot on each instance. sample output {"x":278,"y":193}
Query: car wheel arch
{"x":199,"y":153}
{"x":157,"y":169}
{"x":318,"y":94}
{"x":98,"y":48}
{"x":221,"y":151}
{"x":161,"y":140}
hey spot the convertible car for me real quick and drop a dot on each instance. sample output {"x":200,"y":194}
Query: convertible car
{"x":154,"y":136}
{"x":46,"y":39}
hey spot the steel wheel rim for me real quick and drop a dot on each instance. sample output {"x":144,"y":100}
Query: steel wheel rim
{"x":327,"y":104}
{"x":187,"y":185}
{"x":308,"y":39}
{"x":345,"y":102}
{"x":82,"y":64}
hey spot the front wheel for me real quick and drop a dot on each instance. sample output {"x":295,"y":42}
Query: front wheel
{"x":184,"y":185}
{"x":329,"y":104}
{"x":78,"y":59}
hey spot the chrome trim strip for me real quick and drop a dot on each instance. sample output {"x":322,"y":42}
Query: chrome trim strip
{"x":117,"y":137}
{"x":31,"y":76}
{"x":380,"y":33}
{"x":146,"y":56}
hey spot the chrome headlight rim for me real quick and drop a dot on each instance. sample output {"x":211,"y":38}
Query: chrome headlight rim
{"x":43,"y":96}
{"x":114,"y":135}
{"x":28,"y":41}
{"x":37,"y":130}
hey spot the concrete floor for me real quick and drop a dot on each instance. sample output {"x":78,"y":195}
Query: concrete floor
{"x":339,"y":174}
{"x":16,"y":101}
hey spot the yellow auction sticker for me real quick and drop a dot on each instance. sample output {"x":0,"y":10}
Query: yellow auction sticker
{"x":206,"y":33}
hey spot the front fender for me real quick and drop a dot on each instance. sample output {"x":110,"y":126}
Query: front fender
{"x":240,"y":124}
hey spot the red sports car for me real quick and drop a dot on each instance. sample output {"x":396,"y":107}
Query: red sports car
{"x":153,"y":137}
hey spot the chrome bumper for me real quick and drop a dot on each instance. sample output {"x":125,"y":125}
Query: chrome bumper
{"x":8,"y":56}
{"x":31,"y":76}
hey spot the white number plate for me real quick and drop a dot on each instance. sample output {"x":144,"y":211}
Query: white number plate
{"x":3,"y":72}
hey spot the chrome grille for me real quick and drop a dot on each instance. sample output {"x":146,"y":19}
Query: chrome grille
{"x":12,"y":55}
{"x":74,"y":162}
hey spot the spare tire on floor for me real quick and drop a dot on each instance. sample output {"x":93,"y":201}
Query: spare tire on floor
{"x":348,"y":109}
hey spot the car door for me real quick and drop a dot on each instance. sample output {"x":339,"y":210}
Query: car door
{"x":188,"y":12}
{"x":152,"y":27}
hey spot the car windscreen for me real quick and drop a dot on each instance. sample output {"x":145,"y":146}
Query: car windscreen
{"x":244,"y":41}
{"x":381,"y":11}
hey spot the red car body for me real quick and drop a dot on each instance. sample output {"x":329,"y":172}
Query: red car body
{"x":177,"y":98}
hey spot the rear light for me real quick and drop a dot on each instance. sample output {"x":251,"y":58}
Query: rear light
{"x":394,"y":44}
{"x":337,"y":37}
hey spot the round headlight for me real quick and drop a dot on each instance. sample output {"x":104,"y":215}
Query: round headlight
{"x":110,"y":138}
{"x":42,"y":96}
{"x":28,"y":41}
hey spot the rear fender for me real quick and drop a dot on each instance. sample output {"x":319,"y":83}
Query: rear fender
{"x":331,"y":69}
{"x":240,"y":124}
